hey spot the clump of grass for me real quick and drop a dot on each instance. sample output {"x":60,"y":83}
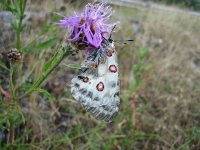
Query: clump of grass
{"x":160,"y":94}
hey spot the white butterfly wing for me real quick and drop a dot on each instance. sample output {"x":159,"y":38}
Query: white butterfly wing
{"x":99,"y":92}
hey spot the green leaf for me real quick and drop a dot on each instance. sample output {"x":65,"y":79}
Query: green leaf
{"x":22,"y":27}
{"x":43,"y":45}
{"x":73,"y":66}
{"x":2,"y":65}
{"x":23,"y":16}
{"x":47,"y":65}
{"x":25,"y":85}
{"x":14,"y":25}
{"x":50,"y":62}
{"x":7,"y":5}
{"x":45,"y":93}
{"x":143,"y":53}
{"x":17,"y":15}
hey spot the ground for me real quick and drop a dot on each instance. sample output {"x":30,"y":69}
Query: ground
{"x":161,"y":113}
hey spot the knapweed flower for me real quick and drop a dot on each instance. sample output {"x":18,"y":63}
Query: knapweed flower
{"x":90,"y":27}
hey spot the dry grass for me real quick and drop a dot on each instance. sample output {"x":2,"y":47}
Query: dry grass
{"x":164,"y":111}
{"x":172,"y":86}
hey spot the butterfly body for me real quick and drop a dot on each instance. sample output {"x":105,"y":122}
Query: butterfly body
{"x":97,"y":86}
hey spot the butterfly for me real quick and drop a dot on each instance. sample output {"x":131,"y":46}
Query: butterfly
{"x":97,"y":85}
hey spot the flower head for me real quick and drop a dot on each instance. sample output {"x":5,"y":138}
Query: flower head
{"x":89,"y":28}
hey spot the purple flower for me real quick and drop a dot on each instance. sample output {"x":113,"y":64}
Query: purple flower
{"x":89,"y":28}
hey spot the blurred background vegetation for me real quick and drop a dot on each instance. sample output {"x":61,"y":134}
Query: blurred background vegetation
{"x":192,"y":4}
{"x":159,"y":73}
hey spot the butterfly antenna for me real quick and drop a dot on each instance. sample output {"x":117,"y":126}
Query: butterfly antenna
{"x":124,"y":41}
{"x":112,"y":32}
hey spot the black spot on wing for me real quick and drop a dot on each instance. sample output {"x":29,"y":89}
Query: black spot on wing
{"x":73,"y":92}
{"x":80,"y":77}
{"x":105,"y":107}
{"x":96,"y":99}
{"x":89,"y":109}
{"x":101,"y":116}
{"x":112,"y":84}
{"x":83,"y":91}
{"x":95,"y":113}
{"x":93,"y":110}
{"x":90,"y":94}
{"x":81,"y":99}
{"x":76,"y":85}
{"x":116,"y":94}
{"x":107,"y":118}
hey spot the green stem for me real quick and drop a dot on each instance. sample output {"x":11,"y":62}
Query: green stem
{"x":14,"y":68}
{"x":11,"y":136}
{"x":22,"y":5}
{"x":1,"y":99}
{"x":12,"y":81}
{"x":18,"y":42}
{"x":53,"y":63}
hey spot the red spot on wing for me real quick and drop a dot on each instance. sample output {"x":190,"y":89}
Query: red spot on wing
{"x":113,"y":68}
{"x":85,"y":79}
{"x":100,"y":86}
{"x":110,"y":51}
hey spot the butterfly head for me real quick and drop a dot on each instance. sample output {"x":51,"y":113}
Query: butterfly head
{"x":111,"y":42}
{"x":106,"y":44}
